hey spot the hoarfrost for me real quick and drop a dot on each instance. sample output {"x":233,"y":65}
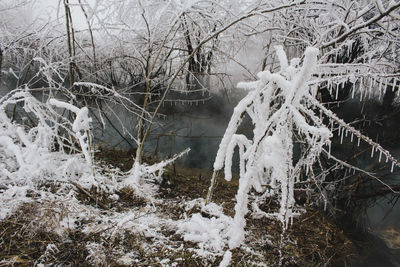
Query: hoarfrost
{"x":211,"y":234}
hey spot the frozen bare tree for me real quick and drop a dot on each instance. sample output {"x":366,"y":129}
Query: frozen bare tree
{"x":172,"y":46}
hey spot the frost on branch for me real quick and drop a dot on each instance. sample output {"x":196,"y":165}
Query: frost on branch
{"x":144,"y":178}
{"x":26,"y":152}
{"x":278,"y":108}
{"x":211,"y":234}
{"x":80,"y":126}
{"x":33,"y":142}
{"x":285,"y":112}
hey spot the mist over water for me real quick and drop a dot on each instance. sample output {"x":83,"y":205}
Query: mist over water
{"x":199,"y":127}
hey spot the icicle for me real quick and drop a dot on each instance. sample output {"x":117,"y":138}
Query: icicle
{"x":372,"y":153}
{"x":352,"y":92}
{"x":329,"y":151}
{"x":384,"y":89}
{"x":358,"y":142}
{"x":346,"y":133}
{"x":361,"y":96}
{"x":380,"y":89}
{"x":387,"y":159}
{"x":391,"y":170}
{"x":351,"y":138}
{"x":337,"y":91}
{"x":371,"y":84}
{"x":380,"y":156}
{"x":341,"y":136}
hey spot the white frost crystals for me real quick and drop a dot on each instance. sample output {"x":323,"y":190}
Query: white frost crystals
{"x":291,"y":128}
{"x":211,"y":234}
{"x":27,"y":153}
{"x":279,"y":108}
{"x":41,"y":144}
{"x":27,"y":144}
{"x":80,"y":126}
{"x":144,"y":178}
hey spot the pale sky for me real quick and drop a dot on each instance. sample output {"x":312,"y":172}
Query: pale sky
{"x":45,"y":8}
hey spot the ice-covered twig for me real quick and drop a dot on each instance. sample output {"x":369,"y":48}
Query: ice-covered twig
{"x":275,"y":106}
{"x":354,"y":131}
{"x":80,"y":126}
{"x":142,"y":176}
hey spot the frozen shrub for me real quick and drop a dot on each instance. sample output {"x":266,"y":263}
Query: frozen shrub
{"x":284,"y":111}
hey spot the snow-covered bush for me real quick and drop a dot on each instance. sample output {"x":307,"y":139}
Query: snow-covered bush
{"x":285,"y":113}
{"x":34,"y":139}
{"x":277,"y":108}
{"x":28,"y":140}
{"x":51,"y":141}
{"x":80,"y":126}
{"x":211,"y":234}
{"x":145,"y":178}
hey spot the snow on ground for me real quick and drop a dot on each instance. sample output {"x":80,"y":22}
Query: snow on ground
{"x":50,"y":168}
{"x":50,"y":181}
{"x":59,"y":205}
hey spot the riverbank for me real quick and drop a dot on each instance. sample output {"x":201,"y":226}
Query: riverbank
{"x":92,"y":227}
